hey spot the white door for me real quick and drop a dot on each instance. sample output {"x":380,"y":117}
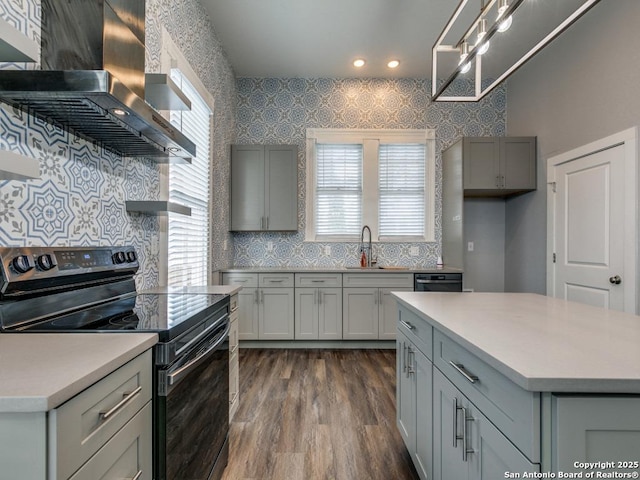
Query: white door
{"x":592,"y":223}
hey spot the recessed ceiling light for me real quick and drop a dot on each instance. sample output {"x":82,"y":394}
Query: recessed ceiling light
{"x":393,"y":64}
{"x":120,"y":112}
{"x":359,"y":63}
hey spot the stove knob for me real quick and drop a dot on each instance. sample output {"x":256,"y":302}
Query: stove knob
{"x":46,"y":262}
{"x":22,"y":263}
{"x":131,"y":256}
{"x":119,"y":258}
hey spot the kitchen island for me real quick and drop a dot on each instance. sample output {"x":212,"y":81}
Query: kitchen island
{"x":512,"y":384}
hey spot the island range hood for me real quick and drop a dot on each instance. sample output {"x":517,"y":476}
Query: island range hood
{"x":92,"y":79}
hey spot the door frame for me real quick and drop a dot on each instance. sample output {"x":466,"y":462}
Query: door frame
{"x":628,"y":139}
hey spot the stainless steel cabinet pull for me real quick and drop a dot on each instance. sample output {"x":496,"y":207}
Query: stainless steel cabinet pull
{"x":465,"y":451}
{"x":255,"y":296}
{"x":233,"y":399}
{"x":262,"y":296}
{"x":234,"y":308}
{"x":317,"y":281}
{"x":464,"y":372}
{"x":407,"y":325}
{"x":410,"y":369}
{"x":456,"y":437}
{"x":233,"y":350}
{"x":380,"y":297}
{"x":404,"y":357}
{"x":138,"y":475}
{"x":127,"y":398}
{"x":276,"y":281}
{"x":497,"y":181}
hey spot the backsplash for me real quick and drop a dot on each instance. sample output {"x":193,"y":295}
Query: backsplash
{"x":80,"y":197}
{"x":272,"y":110}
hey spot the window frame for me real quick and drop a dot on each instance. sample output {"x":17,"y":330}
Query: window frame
{"x":370,"y":140}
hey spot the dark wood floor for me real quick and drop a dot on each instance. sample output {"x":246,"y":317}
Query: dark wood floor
{"x":317,"y":414}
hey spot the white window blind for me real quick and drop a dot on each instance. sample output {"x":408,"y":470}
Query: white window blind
{"x":188,"y":243}
{"x":401,"y":190}
{"x":338,"y":189}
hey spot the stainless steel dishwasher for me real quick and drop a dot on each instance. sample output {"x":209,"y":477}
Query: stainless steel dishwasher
{"x":437,"y":282}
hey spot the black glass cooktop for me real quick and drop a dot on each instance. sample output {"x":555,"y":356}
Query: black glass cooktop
{"x":169,"y":315}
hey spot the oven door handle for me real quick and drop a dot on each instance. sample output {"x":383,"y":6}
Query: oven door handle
{"x":201,"y":335}
{"x":175,"y":377}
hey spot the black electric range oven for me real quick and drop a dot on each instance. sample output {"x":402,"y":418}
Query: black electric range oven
{"x":82,"y":289}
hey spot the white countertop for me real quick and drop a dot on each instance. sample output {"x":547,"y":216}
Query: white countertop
{"x":208,"y":289}
{"x":340,"y":269}
{"x":39,"y":372}
{"x":541,"y":343}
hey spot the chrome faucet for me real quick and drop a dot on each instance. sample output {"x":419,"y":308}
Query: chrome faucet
{"x":369,"y":247}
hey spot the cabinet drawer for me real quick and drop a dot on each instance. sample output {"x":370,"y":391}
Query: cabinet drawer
{"x":515,"y":411}
{"x":384,"y":280}
{"x":275,"y":280}
{"x":318,"y":280}
{"x":242,"y":279}
{"x":82,"y":425}
{"x":127,"y":455}
{"x":417,"y":331}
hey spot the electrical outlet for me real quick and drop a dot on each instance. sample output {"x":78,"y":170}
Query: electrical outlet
{"x":414,"y":251}
{"x":269,"y":246}
{"x":327,"y":250}
{"x":470,"y":246}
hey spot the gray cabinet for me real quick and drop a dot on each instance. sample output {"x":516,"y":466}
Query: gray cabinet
{"x":466,"y":444}
{"x":265,"y":305}
{"x":318,"y":313}
{"x":495,"y":166}
{"x":264,"y":188}
{"x":414,"y":398}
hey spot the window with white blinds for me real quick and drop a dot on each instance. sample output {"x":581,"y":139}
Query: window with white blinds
{"x":188,"y":236}
{"x":401,"y":190}
{"x":338,"y":190}
{"x":380,"y":178}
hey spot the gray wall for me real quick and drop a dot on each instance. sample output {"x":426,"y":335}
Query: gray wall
{"x":581,"y":88}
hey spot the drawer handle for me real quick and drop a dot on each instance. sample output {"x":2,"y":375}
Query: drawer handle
{"x":465,"y":451}
{"x":464,"y":372}
{"x":407,"y":325}
{"x":235,"y":347}
{"x":138,"y":475}
{"x":234,"y":308}
{"x":275,"y":281}
{"x":456,"y":437}
{"x":233,"y":399}
{"x":127,"y":398}
{"x":317,"y":281}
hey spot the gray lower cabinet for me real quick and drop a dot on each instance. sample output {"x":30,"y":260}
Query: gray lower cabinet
{"x":590,"y":428}
{"x":265,"y":305}
{"x":264,"y":188}
{"x":466,"y":444}
{"x":77,"y":441}
{"x":318,"y":313}
{"x":413,"y":406}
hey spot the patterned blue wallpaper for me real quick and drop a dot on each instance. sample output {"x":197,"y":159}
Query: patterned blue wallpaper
{"x":79,"y":199}
{"x":272,"y":110}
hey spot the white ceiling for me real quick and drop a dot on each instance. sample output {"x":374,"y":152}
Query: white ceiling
{"x":321,"y":38}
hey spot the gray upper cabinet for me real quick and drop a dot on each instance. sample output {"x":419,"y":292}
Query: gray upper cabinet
{"x":264,"y":188}
{"x":497,"y":166}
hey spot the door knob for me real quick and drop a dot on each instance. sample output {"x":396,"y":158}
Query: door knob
{"x":616,"y":280}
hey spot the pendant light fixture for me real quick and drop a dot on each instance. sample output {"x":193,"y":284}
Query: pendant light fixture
{"x":541,"y":22}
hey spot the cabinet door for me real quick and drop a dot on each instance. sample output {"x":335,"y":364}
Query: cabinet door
{"x":276,"y":314}
{"x":281,"y":187}
{"x":247,"y":187}
{"x":405,"y":394}
{"x":306,"y":315}
{"x":330,"y":313}
{"x":492,"y":454}
{"x":248,"y":314}
{"x":423,"y":379}
{"x":360,"y":314}
{"x":481,"y":163}
{"x":595,"y":429}
{"x":447,"y":431}
{"x":388,"y":320}
{"x":518,"y":163}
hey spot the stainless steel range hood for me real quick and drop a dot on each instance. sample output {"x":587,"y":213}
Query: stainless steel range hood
{"x":92,"y":79}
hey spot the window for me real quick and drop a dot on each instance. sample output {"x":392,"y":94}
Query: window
{"x":380,"y":178}
{"x":188,"y":236}
{"x":338,"y":189}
